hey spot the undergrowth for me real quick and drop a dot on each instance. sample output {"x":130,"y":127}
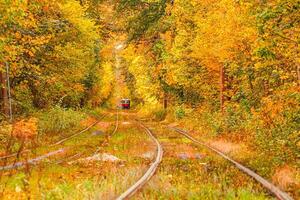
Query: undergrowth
{"x":58,"y":119}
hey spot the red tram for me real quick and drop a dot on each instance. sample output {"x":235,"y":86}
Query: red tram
{"x":125,"y":104}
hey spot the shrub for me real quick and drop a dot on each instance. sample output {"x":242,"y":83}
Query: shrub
{"x":235,"y":118}
{"x":212,"y":121}
{"x":95,"y":112}
{"x":179,"y":112}
{"x":59,"y":119}
{"x":160,"y":114}
{"x":25,"y":129}
{"x":23,"y":100}
{"x":277,"y":125}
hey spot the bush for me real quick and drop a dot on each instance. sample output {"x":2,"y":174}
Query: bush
{"x":25,"y":129}
{"x":59,"y":119}
{"x":179,"y":113}
{"x":277,"y":130}
{"x":23,"y":100}
{"x":160,"y":114}
{"x":235,"y":118}
{"x":212,"y":121}
{"x":95,"y":112}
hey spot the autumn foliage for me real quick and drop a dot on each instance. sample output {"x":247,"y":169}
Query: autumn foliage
{"x":25,"y":129}
{"x":233,"y":67}
{"x":53,"y":52}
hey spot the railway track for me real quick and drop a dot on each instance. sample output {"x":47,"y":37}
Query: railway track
{"x":77,"y":156}
{"x":36,"y":160}
{"x":32,"y":161}
{"x":281,"y":195}
{"x":80,"y":132}
{"x":117,"y":123}
{"x":149,"y":173}
{"x":142,"y":181}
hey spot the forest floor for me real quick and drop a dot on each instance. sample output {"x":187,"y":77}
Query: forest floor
{"x":102,"y":163}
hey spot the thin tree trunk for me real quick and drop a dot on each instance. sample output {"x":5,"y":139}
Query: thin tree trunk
{"x":165,"y":101}
{"x":222,"y":87}
{"x":4,"y":96}
{"x":298,"y":65}
{"x":298,"y":73}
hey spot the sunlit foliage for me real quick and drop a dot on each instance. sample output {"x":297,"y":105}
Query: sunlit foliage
{"x":233,"y":64}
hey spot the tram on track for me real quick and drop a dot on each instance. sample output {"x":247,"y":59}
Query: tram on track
{"x":125,"y":103}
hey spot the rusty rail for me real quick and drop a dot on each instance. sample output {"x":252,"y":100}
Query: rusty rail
{"x":80,"y":132}
{"x":32,"y":161}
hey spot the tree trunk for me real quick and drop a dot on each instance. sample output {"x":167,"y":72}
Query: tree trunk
{"x":298,"y":73}
{"x":4,"y":97}
{"x":165,"y":101}
{"x":222,"y":87}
